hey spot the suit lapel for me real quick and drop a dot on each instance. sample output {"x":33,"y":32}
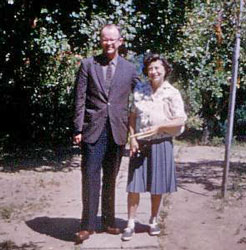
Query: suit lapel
{"x":99,"y":72}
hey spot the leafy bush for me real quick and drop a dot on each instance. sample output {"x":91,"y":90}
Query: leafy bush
{"x":42,"y":42}
{"x":240,"y":122}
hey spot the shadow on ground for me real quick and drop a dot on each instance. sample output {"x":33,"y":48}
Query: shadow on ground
{"x":59,"y":228}
{"x":210,"y":173}
{"x":65,"y":228}
{"x":40,"y":159}
{"x":10,"y":245}
{"x":43,"y":160}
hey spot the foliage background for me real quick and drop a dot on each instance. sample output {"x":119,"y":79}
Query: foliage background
{"x":42,"y":42}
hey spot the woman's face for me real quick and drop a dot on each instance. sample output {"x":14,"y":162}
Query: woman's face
{"x":156,"y":72}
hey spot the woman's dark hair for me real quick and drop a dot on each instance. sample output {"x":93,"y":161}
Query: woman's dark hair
{"x":148,"y":59}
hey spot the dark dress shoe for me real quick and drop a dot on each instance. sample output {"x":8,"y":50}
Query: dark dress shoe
{"x":112,"y":230}
{"x":82,"y":235}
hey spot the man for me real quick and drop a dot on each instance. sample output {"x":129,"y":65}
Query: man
{"x":104,"y":83}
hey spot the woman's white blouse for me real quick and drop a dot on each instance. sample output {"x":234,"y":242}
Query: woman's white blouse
{"x":156,"y":108}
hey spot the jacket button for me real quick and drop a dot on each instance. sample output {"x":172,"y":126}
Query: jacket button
{"x":108,"y":103}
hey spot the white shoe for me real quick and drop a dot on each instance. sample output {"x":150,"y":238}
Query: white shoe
{"x":127,"y":234}
{"x":154,"y":229}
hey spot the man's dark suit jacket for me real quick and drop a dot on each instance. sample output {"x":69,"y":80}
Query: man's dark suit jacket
{"x":92,"y":104}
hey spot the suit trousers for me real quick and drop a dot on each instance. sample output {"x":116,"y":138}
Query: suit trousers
{"x":103,"y":155}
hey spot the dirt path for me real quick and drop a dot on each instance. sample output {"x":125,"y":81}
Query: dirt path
{"x":197,"y":218}
{"x":34,"y":203}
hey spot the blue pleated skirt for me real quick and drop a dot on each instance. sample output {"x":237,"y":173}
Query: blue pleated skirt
{"x":153,"y":169}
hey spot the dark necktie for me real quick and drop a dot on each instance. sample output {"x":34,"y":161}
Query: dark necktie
{"x":108,"y":79}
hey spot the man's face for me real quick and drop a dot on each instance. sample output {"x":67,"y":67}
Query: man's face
{"x":110,"y":41}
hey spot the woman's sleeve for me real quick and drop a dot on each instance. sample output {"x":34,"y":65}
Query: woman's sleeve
{"x":177,"y":107}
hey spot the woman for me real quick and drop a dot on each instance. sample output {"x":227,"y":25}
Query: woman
{"x":157,"y":114}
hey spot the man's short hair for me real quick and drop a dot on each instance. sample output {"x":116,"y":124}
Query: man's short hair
{"x":110,"y":26}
